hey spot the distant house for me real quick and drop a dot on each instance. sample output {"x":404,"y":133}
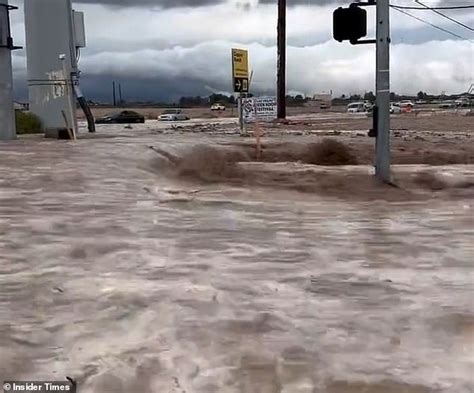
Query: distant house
{"x":21,"y":106}
{"x":321,"y":100}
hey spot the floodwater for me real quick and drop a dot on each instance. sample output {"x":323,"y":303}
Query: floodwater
{"x":131,"y":281}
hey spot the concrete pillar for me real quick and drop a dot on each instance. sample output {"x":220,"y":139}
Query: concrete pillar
{"x":51,"y":58}
{"x":7,"y":113}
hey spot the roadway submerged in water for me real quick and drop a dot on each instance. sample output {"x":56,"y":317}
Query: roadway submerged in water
{"x":128,"y":278}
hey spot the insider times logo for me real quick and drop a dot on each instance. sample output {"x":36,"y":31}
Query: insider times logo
{"x":53,"y":386}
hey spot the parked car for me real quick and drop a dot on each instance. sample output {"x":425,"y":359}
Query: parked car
{"x":447,"y":105}
{"x":357,"y":107}
{"x":463,"y":102}
{"x":217,"y":107}
{"x":124,"y":117}
{"x":406,"y":104}
{"x":395,"y":108}
{"x":173,"y":115}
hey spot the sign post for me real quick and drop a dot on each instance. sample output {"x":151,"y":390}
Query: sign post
{"x":256,"y":110}
{"x":240,"y":78}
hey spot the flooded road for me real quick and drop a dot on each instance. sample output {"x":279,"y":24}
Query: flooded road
{"x":131,"y":281}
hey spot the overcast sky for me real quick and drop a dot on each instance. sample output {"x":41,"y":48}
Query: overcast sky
{"x":164,"y":49}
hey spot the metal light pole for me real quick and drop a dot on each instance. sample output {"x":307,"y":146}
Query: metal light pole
{"x":281,"y":67}
{"x":382,"y":147}
{"x":7,"y":113}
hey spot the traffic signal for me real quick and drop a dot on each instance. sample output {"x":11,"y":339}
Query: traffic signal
{"x":349,"y":24}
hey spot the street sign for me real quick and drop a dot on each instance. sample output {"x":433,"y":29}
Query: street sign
{"x":240,"y":70}
{"x":259,"y":109}
{"x":241,"y":85}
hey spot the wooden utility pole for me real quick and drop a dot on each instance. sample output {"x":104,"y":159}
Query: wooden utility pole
{"x":281,"y":67}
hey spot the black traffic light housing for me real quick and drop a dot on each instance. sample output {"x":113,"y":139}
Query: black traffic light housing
{"x":6,"y":41}
{"x":350,"y":24}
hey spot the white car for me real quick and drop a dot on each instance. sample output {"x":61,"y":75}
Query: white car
{"x":406,"y":104}
{"x":357,"y":107}
{"x":395,"y":109}
{"x":217,"y":107}
{"x":462,"y":102}
{"x":447,"y":104}
{"x":173,"y":115}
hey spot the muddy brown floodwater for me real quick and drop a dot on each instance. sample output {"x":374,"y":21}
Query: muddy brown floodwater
{"x":130,"y":277}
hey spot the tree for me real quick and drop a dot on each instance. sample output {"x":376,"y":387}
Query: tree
{"x":298,"y":100}
{"x":192,"y":101}
{"x":370,"y":96}
{"x":421,"y":95}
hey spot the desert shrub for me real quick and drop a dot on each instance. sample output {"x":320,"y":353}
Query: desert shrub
{"x":27,"y":123}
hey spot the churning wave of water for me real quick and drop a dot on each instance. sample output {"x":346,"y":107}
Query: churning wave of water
{"x":132,"y":282}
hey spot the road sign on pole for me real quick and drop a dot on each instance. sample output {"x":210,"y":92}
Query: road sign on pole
{"x":240,"y":70}
{"x":382,"y":148}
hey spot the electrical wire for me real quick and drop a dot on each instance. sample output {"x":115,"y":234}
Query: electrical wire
{"x":429,"y":23}
{"x":458,"y":7}
{"x":444,"y":16}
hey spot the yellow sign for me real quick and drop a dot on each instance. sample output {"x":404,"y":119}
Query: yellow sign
{"x":240,"y":63}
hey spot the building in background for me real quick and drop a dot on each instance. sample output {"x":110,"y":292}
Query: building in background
{"x":320,"y":100}
{"x":21,"y":106}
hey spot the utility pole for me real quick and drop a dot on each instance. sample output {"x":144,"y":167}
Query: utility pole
{"x":7,"y":112}
{"x":113,"y":91}
{"x":382,"y":146}
{"x":281,"y":66}
{"x":120,"y":94}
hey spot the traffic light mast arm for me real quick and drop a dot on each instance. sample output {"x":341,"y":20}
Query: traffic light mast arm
{"x":9,"y":40}
{"x":362,"y":42}
{"x":363,"y":4}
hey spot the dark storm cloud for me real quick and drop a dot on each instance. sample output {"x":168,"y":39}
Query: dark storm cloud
{"x":99,"y":88}
{"x":151,"y":3}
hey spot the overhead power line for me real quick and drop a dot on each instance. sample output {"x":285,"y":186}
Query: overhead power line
{"x":428,"y":23}
{"x":458,"y":7}
{"x":444,"y":16}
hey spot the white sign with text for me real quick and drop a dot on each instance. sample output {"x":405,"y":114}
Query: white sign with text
{"x":259,"y":109}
